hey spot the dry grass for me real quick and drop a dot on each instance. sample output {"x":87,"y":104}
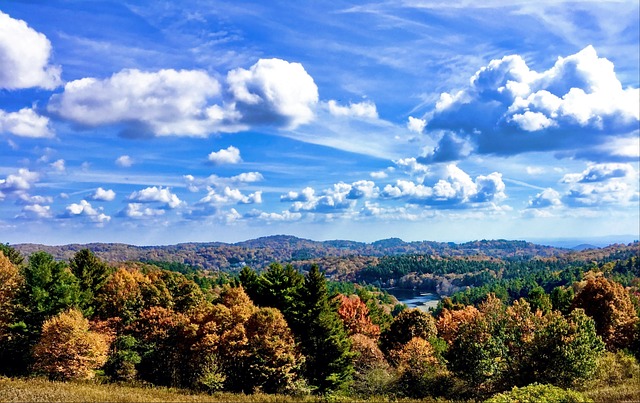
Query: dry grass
{"x":42,"y":390}
{"x":625,"y":392}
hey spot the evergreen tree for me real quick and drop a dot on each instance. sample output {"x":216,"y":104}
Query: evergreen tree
{"x":324,"y":340}
{"x":91,"y":273}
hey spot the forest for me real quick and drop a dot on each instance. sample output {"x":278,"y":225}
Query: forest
{"x":507,"y":328}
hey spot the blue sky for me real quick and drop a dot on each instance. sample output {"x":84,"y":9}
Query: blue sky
{"x":163,"y":122}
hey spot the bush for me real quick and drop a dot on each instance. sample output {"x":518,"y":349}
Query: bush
{"x":537,"y":393}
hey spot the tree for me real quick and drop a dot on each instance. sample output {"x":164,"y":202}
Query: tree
{"x":91,"y":273}
{"x":12,"y":254}
{"x":408,"y":324}
{"x":50,"y":288}
{"x":13,"y":344}
{"x":273,"y":357}
{"x":324,"y":341}
{"x":10,"y":282}
{"x":122,"y":360}
{"x":67,"y":348}
{"x":355,"y":316}
{"x":610,"y":306}
{"x":565,"y":351}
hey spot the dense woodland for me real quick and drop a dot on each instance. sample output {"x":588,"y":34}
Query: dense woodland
{"x":555,"y":322}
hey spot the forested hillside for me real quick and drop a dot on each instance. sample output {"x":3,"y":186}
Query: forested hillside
{"x":555,"y":327}
{"x":259,"y":253}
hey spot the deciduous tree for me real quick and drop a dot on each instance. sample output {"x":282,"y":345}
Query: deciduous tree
{"x":67,"y":348}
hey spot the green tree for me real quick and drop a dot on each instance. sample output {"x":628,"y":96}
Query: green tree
{"x":50,"y":288}
{"x":324,"y":341}
{"x":91,"y":273}
{"x":408,"y":324}
{"x":565,"y":351}
{"x":123,"y":358}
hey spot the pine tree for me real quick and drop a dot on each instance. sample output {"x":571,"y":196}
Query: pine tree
{"x":324,"y":340}
{"x":91,"y":273}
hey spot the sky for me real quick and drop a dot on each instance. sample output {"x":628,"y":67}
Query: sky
{"x":153,"y":122}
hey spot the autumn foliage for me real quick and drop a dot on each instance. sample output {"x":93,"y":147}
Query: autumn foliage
{"x":68,"y":349}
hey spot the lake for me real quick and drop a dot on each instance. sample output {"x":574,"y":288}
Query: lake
{"x":414,"y":298}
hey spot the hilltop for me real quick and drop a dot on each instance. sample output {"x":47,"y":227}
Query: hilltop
{"x":260,"y":252}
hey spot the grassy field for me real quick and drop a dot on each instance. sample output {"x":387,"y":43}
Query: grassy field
{"x":42,"y":390}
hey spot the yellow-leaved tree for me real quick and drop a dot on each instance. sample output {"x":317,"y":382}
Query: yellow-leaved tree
{"x":68,"y":349}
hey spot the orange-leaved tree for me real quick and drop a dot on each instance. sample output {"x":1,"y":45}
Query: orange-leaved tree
{"x":68,"y":349}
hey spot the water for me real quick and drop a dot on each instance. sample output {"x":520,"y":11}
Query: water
{"x":415,"y":299}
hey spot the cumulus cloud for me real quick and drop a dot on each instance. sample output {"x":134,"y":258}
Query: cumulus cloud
{"x":195,"y":184}
{"x":162,"y":103}
{"x":230,"y":155}
{"x":124,"y":161}
{"x":600,"y":173}
{"x":84,"y":209}
{"x":103,"y":195}
{"x":450,"y":148}
{"x":413,"y":167}
{"x":24,"y":57}
{"x":339,"y":198}
{"x":547,"y":198}
{"x":577,"y":106}
{"x":230,"y":196}
{"x":35,"y":211}
{"x":139,"y":210}
{"x":365,"y":109}
{"x":416,"y":125}
{"x":24,"y":123}
{"x":172,"y":102}
{"x":18,"y":183}
{"x":274,"y":92}
{"x":456,"y":189}
{"x":58,"y":165}
{"x":612,"y":184}
{"x":156,"y":194}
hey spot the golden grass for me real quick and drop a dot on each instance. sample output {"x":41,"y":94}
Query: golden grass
{"x":625,"y":392}
{"x":42,"y":390}
{"x":39,"y":390}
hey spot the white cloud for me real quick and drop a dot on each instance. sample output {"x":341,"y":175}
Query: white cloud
{"x":379,"y":175}
{"x":230,"y":155}
{"x":124,"y":161}
{"x":547,"y":198}
{"x":416,"y":125}
{"x":19,"y":182}
{"x":24,"y":123}
{"x":339,"y":198}
{"x":600,"y":173}
{"x":166,"y":102}
{"x":85,"y":209}
{"x":195,"y":184}
{"x":103,"y":195}
{"x":24,"y":57}
{"x":230,"y":196}
{"x":456,"y":189}
{"x":35,"y":211}
{"x":365,"y":109}
{"x":156,"y":194}
{"x":535,"y":170}
{"x":274,"y":91}
{"x":138,"y":210}
{"x":58,"y":165}
{"x":412,"y":167}
{"x":578,"y":105}
{"x":275,"y":217}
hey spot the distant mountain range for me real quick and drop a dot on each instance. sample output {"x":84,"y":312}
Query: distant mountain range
{"x":260,"y":252}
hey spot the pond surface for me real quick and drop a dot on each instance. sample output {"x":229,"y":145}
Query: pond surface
{"x":415,"y":299}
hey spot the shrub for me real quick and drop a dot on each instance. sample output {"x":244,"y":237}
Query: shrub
{"x":537,"y":393}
